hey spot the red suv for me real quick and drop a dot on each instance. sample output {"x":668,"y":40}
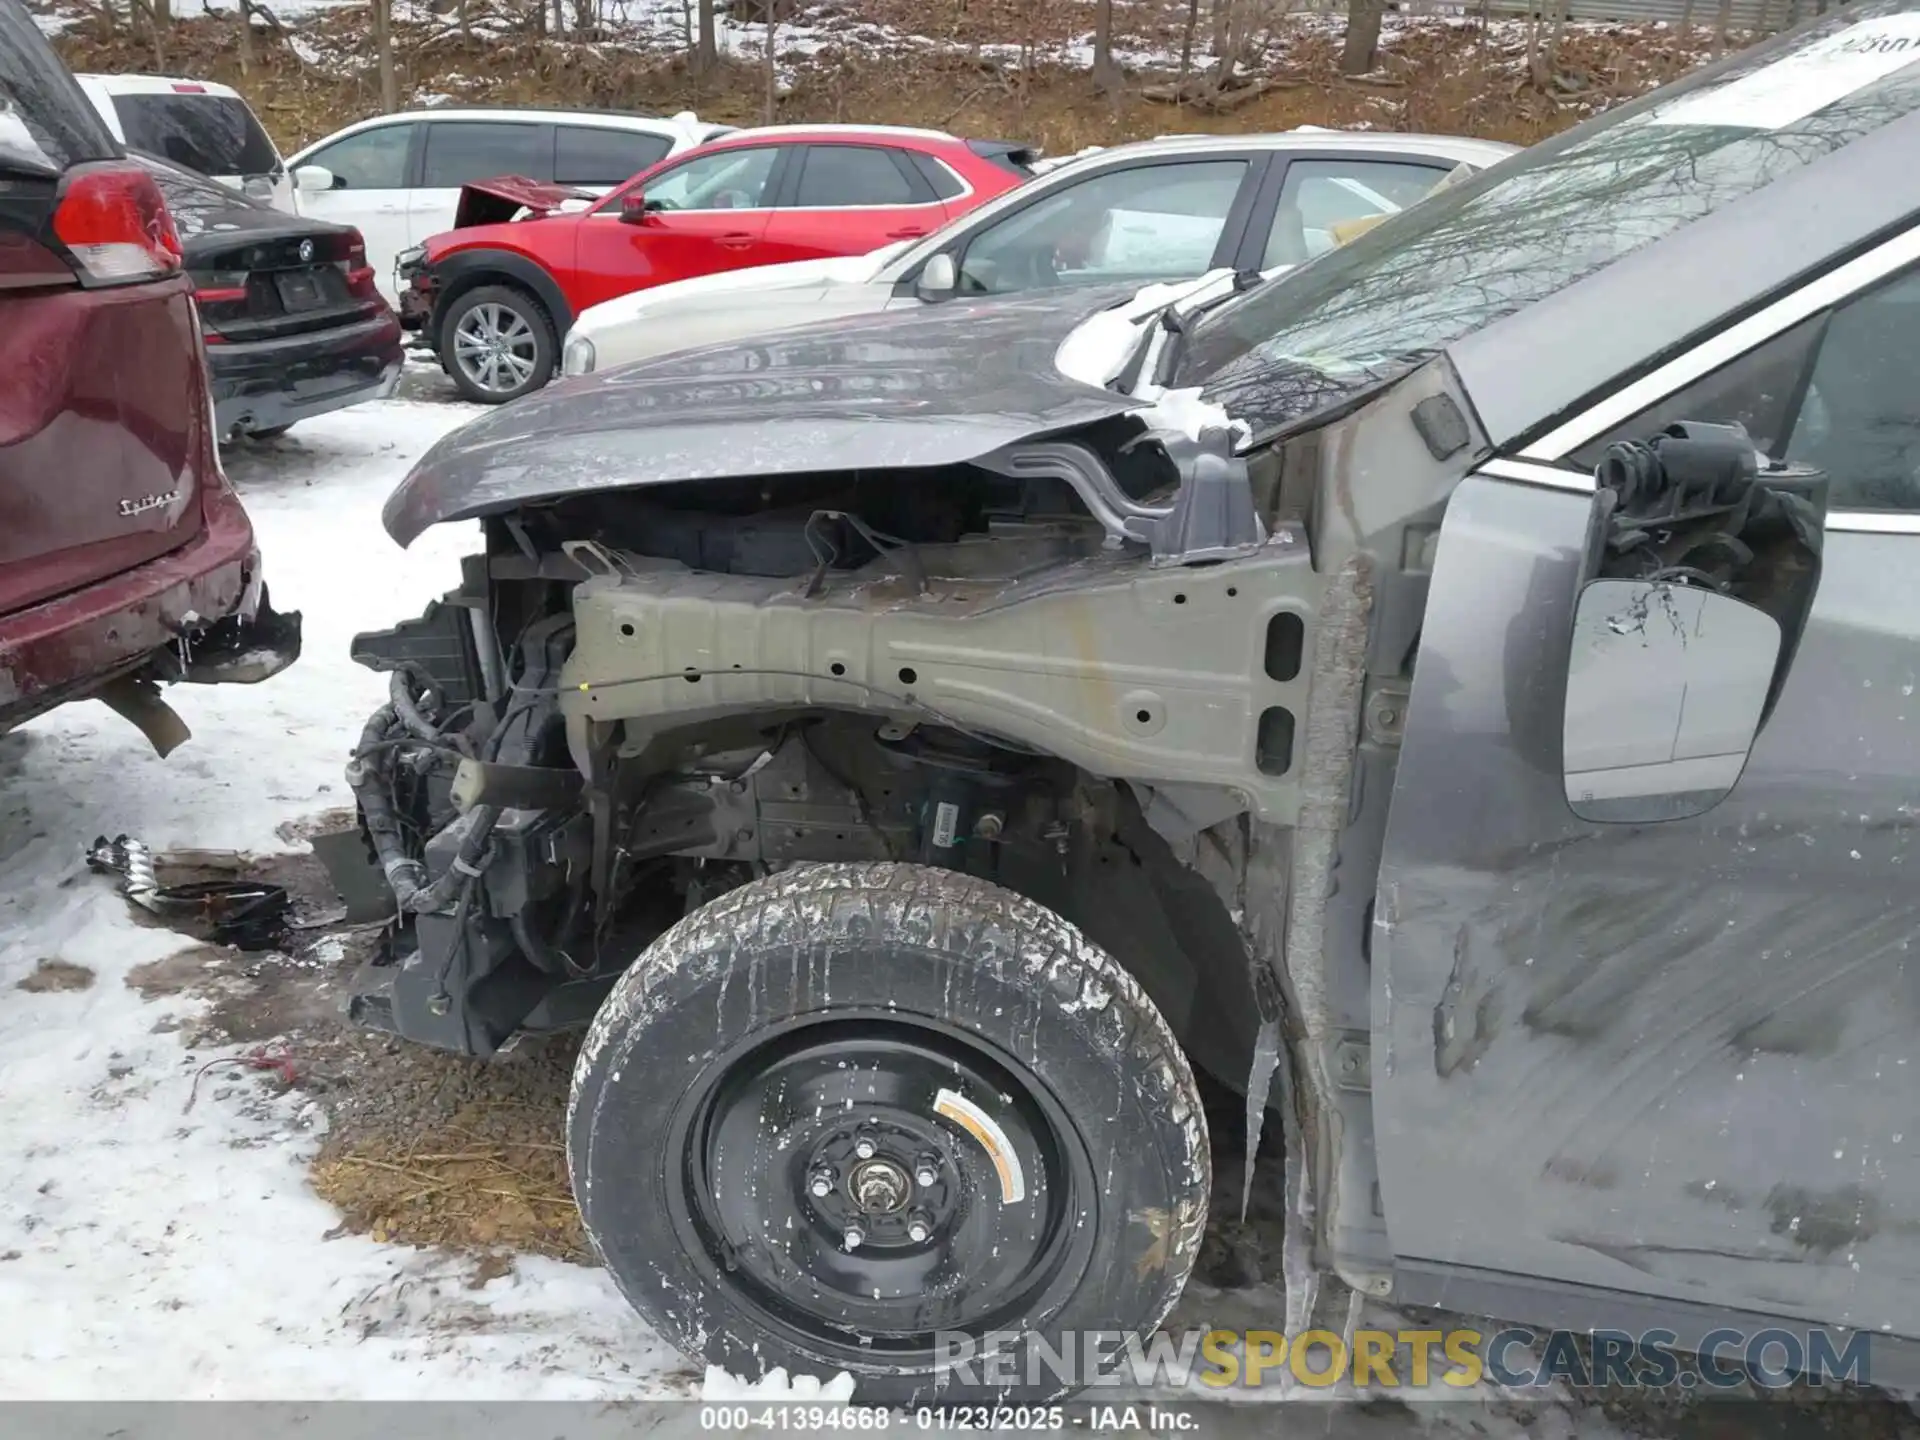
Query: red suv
{"x":125,"y":556}
{"x":495,"y":299}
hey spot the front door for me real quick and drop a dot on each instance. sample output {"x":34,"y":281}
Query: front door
{"x":372,"y":174}
{"x":1676,"y":1059}
{"x":704,"y":215}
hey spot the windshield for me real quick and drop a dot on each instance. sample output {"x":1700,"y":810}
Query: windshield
{"x":214,"y":134}
{"x":1534,"y":224}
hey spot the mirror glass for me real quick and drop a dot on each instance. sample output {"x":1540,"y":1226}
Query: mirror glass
{"x":1666,"y":685}
{"x":938,"y":277}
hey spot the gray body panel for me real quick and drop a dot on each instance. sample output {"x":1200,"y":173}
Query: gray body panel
{"x":903,"y":391}
{"x":1676,"y":1059}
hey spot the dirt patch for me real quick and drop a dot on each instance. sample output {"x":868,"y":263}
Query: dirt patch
{"x":55,"y":975}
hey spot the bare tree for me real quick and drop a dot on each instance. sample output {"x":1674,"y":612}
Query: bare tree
{"x":246,"y":36}
{"x":706,"y":48}
{"x":1722,"y":27}
{"x":1186,"y":42}
{"x":383,"y":50}
{"x":1105,"y":73}
{"x":151,"y":16}
{"x":773,"y":25}
{"x":1362,"y":50}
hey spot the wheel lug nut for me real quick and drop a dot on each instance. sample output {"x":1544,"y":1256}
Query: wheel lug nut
{"x":918,"y":1229}
{"x":821,"y":1185}
{"x":926,"y":1173}
{"x":854,"y":1237}
{"x":864,"y":1148}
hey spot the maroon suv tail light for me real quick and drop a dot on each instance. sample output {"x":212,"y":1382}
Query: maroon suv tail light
{"x":115,"y":226}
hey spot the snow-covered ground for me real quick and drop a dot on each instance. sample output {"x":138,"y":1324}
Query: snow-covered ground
{"x":167,"y":1254}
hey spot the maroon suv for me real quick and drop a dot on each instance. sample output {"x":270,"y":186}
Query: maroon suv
{"x":125,"y":556}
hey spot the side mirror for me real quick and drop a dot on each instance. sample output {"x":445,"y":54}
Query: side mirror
{"x":939,"y":278}
{"x":633,"y":208}
{"x":314,"y":179}
{"x":1666,"y":686}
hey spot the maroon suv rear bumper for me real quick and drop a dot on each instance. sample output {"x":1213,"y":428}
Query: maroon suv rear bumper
{"x":68,"y":647}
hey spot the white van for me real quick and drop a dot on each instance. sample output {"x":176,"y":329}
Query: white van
{"x":398,"y":177}
{"x":195,"y":124}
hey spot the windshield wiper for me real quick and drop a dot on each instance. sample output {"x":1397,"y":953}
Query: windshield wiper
{"x":1178,"y":323}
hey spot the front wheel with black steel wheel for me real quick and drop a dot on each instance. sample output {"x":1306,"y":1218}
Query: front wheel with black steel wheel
{"x":497,"y":344}
{"x":883,"y":1119}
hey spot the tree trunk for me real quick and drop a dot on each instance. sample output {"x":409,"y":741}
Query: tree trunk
{"x":1186,"y":43}
{"x":246,"y":37}
{"x":1362,"y":50}
{"x":706,"y":50}
{"x":1560,"y":8}
{"x":773,"y":97}
{"x":383,"y":49}
{"x":1105,"y":74}
{"x":1535,"y":77}
{"x":1722,"y":26}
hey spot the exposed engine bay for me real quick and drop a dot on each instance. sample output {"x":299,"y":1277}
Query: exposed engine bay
{"x":634,"y":704}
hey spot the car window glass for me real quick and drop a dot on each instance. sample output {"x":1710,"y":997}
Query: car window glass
{"x":460,"y":152}
{"x":833,"y":175}
{"x":213,"y":134}
{"x":1760,"y":391}
{"x":1150,"y":222}
{"x":1854,"y":413}
{"x":723,"y":180}
{"x":1321,"y":196}
{"x":589,"y":155}
{"x":946,"y":185}
{"x":45,"y":122}
{"x":1545,"y":219}
{"x":371,"y":160}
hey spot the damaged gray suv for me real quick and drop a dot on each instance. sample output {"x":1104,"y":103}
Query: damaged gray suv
{"x":1458,"y":696}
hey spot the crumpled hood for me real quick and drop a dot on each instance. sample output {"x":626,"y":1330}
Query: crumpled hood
{"x":932,"y":386}
{"x":794,"y":275}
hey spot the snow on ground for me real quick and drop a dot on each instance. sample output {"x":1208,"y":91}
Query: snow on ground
{"x":166,"y":1254}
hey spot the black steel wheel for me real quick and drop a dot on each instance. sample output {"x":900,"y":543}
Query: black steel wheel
{"x":847,"y":1116}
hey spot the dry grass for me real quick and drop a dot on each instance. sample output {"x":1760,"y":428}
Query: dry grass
{"x":1459,"y":79}
{"x":432,"y":1149}
{"x":56,"y":975}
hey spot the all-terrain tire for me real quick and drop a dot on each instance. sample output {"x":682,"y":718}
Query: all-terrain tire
{"x":1098,"y":1101}
{"x":517,"y":308}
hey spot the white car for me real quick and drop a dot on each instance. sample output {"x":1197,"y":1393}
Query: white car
{"x":195,"y":124}
{"x":398,"y":177}
{"x":1159,"y":210}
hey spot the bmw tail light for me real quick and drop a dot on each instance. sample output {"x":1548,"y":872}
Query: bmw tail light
{"x":115,"y":226}
{"x":352,"y":250}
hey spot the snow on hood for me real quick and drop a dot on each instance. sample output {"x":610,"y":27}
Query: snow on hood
{"x":1098,"y":349}
{"x":797,"y":274}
